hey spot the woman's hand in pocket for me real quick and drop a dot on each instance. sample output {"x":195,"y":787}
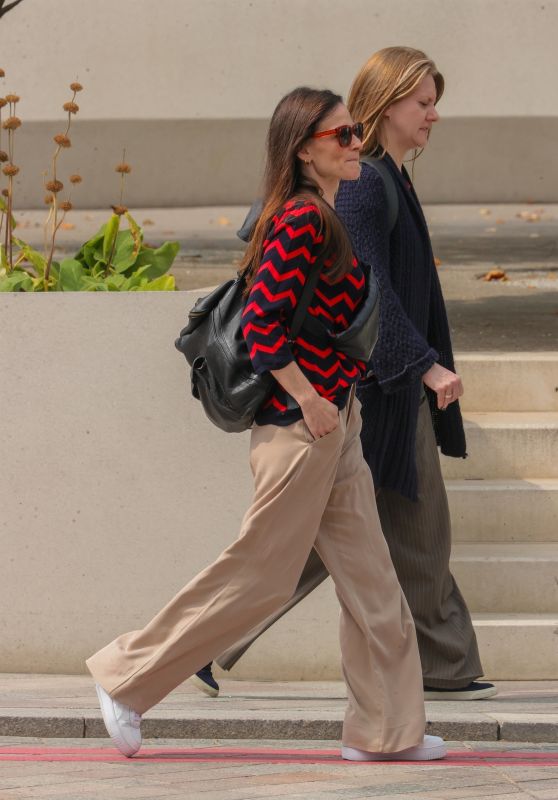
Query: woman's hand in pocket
{"x":320,"y":416}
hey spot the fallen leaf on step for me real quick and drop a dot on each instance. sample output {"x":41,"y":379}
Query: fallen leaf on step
{"x":529,"y":216}
{"x":485,"y":212}
{"x":495,"y":275}
{"x":500,"y":221}
{"x":147,"y":222}
{"x":438,"y":262}
{"x":67,"y":226}
{"x":223,"y":221}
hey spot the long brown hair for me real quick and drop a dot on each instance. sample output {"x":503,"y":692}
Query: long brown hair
{"x":294,"y":120}
{"x":388,"y":76}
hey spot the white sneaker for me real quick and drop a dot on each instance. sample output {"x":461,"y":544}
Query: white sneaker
{"x":121,"y":722}
{"x":432,"y":747}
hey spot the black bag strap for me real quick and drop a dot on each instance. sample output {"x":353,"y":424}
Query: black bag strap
{"x":306,"y":297}
{"x":247,"y":228}
{"x":391,"y":190}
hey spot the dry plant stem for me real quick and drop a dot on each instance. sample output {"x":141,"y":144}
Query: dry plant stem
{"x":122,"y":183}
{"x":46,"y":226}
{"x":54,"y":209}
{"x":8,"y":240}
{"x":59,"y":223}
{"x":2,"y":212}
{"x":7,"y":234}
{"x":8,"y":244}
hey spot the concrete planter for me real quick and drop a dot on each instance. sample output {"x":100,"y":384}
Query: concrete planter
{"x":115,"y":488}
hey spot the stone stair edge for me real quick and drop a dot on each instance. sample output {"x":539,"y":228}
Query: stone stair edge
{"x":506,"y":355}
{"x":502,"y":484}
{"x":505,"y":551}
{"x":513,"y":618}
{"x":512,"y":418}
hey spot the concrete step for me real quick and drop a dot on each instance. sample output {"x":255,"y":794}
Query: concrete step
{"x":508,"y":578}
{"x":504,"y":510}
{"x":509,"y":381}
{"x":507,"y":445}
{"x":55,"y":706}
{"x":518,"y":646}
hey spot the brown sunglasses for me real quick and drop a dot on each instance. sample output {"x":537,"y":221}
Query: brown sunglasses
{"x":344,"y":133}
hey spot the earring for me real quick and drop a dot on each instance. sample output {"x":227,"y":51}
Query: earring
{"x":307,"y":162}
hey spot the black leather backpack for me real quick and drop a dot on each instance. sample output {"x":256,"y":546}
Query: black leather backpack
{"x":222,"y":375}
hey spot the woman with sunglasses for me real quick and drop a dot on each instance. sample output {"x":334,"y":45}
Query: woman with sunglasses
{"x":312,"y":485}
{"x":410,"y":399}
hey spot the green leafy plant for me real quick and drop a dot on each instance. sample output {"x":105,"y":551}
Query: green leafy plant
{"x":115,"y":259}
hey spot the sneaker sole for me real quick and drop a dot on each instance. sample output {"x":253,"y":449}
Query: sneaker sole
{"x":203,"y":686}
{"x":430,"y":754}
{"x":477,"y":694}
{"x":112,"y":727}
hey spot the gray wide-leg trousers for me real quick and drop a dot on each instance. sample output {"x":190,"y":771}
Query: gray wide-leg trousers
{"x":419,"y":539}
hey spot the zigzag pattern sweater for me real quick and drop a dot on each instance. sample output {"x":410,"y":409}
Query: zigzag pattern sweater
{"x":288,"y":255}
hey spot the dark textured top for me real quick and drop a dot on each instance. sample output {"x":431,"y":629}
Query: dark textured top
{"x":414,"y":330}
{"x":288,"y":255}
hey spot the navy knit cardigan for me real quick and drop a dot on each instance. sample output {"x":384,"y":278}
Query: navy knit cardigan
{"x":414,"y":330}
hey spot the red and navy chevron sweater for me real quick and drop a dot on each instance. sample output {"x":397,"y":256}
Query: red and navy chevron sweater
{"x":288,"y":255}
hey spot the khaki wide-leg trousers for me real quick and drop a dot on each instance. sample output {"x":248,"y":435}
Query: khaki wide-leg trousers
{"x":307,"y":493}
{"x":419,"y":539}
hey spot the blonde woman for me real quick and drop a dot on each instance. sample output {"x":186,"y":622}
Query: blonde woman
{"x":410,"y":399}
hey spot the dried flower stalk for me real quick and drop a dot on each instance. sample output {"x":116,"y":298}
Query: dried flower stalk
{"x":10,"y":170}
{"x":55,"y":186}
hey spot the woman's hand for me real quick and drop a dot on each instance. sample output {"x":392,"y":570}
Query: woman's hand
{"x":320,"y":415}
{"x":446,"y":384}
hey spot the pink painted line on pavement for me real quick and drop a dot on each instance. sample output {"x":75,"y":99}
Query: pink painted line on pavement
{"x":265,"y":755}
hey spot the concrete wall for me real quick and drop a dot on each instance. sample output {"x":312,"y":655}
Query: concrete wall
{"x":188,"y":88}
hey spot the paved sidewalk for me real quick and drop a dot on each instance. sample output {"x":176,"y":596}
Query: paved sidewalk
{"x":242,"y":770}
{"x":469,"y":241}
{"x":486,"y":229}
{"x":66,"y":706}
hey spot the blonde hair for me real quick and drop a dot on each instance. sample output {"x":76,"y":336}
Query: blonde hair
{"x":388,"y":76}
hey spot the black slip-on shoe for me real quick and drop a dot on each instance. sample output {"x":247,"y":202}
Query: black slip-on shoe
{"x":476,"y":690}
{"x":205,"y":682}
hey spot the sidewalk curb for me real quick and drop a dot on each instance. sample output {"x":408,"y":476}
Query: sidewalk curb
{"x":464,"y":727}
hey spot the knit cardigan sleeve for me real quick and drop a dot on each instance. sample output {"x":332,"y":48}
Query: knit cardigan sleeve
{"x":401,"y":355}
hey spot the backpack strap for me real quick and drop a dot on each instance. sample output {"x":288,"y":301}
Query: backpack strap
{"x":306,"y":298}
{"x":247,"y":228}
{"x":391,"y":191}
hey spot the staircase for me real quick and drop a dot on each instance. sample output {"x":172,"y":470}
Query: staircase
{"x":504,"y":506}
